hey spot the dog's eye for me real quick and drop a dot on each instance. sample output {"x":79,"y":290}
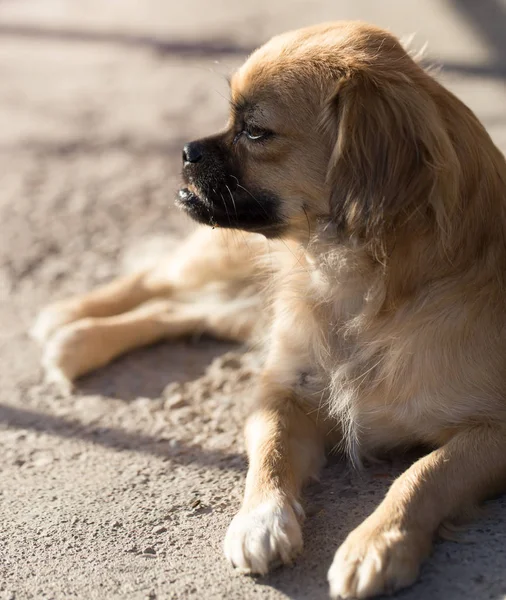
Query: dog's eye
{"x":254,"y":133}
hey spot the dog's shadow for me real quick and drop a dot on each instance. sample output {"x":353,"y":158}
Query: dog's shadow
{"x":335,"y":505}
{"x":147,"y":371}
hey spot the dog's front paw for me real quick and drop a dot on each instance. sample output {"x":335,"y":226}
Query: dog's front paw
{"x":265,"y":535}
{"x":377,"y":561}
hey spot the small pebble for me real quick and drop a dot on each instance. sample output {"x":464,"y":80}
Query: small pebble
{"x":172,"y":389}
{"x":229,"y":361}
{"x":159,"y":529}
{"x":175,"y":401}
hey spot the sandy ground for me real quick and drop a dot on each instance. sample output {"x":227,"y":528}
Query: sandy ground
{"x":125,"y":489}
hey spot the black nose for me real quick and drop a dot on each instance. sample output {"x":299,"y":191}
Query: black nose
{"x":193,"y":152}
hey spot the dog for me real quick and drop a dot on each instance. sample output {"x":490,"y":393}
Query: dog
{"x":373,"y":203}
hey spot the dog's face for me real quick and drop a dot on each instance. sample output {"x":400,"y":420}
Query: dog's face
{"x":268,"y":166}
{"x":326,"y":123}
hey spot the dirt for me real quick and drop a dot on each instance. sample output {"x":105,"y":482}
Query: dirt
{"x":125,"y":488}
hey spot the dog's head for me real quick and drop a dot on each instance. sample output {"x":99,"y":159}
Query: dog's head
{"x":332,"y":122}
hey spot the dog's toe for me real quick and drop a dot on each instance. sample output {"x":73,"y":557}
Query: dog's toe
{"x":51,"y":319}
{"x":72,"y":351}
{"x":263,"y":536}
{"x":370,"y":563}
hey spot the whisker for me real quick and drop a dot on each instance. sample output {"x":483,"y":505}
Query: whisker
{"x":308,"y":225}
{"x":226,"y":210}
{"x":233,"y":201}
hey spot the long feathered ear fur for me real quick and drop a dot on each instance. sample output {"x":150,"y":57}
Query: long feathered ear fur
{"x":393,"y":163}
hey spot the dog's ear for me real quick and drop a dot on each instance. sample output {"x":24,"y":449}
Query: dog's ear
{"x":392,"y":161}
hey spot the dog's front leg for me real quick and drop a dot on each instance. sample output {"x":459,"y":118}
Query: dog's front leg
{"x":385,"y":552}
{"x":284,"y":449}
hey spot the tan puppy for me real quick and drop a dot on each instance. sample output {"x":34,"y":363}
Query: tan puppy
{"x":389,"y":323}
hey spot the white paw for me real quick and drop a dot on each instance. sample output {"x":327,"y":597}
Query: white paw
{"x":370,"y":563}
{"x":264,"y":536}
{"x":50,"y":319}
{"x":72,"y":351}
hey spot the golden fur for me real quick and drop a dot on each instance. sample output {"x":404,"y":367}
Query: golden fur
{"x":389,"y":304}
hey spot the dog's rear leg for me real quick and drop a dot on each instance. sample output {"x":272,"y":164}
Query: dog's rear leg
{"x":116,"y":297}
{"x":90,"y":343}
{"x":205,"y":256}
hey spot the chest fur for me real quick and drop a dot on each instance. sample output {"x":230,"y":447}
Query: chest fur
{"x":386,"y":378}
